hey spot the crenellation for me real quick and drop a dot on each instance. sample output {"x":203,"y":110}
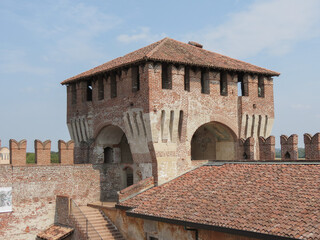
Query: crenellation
{"x":267,"y":148}
{"x":312,"y":146}
{"x":289,"y":147}
{"x":246,"y":149}
{"x":66,"y":152}
{"x":42,"y":152}
{"x":18,"y":152}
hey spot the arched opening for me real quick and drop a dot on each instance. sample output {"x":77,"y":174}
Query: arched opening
{"x":213,"y":141}
{"x":112,"y":141}
{"x":287,"y":156}
{"x":112,"y":148}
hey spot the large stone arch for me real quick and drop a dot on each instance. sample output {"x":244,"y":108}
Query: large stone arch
{"x":214,"y":141}
{"x":199,"y":120}
{"x":112,"y":148}
{"x":112,"y":141}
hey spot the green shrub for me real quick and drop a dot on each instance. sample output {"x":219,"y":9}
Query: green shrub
{"x":31,"y":157}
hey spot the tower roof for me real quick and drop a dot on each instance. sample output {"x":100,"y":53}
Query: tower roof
{"x":173,"y":51}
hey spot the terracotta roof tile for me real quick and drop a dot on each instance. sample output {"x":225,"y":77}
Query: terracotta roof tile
{"x":276,"y":199}
{"x":170,"y":50}
{"x":55,"y":232}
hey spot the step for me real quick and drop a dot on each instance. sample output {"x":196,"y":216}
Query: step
{"x":97,"y":224}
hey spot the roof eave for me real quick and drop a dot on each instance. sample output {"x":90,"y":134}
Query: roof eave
{"x":208,"y":227}
{"x":263,"y":72}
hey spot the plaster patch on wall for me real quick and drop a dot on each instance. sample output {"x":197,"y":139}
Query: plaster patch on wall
{"x":6,"y":199}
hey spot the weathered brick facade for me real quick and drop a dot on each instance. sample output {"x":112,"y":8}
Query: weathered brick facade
{"x":162,"y":118}
{"x":34,"y":189}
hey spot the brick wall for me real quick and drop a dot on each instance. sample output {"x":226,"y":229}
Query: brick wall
{"x":34,"y":189}
{"x":150,"y":118}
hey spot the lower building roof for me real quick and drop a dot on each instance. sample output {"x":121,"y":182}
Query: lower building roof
{"x":269,"y":199}
{"x":55,"y":232}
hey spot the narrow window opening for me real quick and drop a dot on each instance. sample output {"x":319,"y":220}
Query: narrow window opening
{"x":241,"y":90}
{"x":100,"y":88}
{"x":135,"y":79}
{"x":129,"y":176}
{"x":180,"y":124}
{"x":74,"y":93}
{"x":204,"y":83}
{"x":187,"y":79}
{"x":166,"y":78}
{"x":223,"y":84}
{"x":245,"y":156}
{"x":113,"y":86}
{"x":89,"y":91}
{"x":261,"y":86}
{"x":108,"y":155}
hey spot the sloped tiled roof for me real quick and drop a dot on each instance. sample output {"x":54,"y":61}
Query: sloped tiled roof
{"x":275,"y":199}
{"x":55,"y":232}
{"x":171,"y":50}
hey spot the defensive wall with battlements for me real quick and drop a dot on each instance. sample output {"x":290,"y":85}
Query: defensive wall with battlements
{"x":35,"y":186}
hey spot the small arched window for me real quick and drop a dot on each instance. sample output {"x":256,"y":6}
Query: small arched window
{"x":287,"y":156}
{"x":108,"y":155}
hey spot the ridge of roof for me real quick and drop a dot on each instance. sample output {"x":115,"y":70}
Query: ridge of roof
{"x":156,"y":48}
{"x":171,"y":50}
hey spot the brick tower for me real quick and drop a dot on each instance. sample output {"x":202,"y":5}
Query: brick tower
{"x":167,"y":107}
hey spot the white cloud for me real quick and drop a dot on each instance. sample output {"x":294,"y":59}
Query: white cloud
{"x":142,"y":34}
{"x":273,"y":26}
{"x":70,"y":30}
{"x":16,"y":61}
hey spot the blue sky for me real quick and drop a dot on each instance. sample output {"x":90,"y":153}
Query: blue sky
{"x":44,"y":42}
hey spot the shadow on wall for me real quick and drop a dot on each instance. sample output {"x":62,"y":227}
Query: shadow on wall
{"x":116,"y":171}
{"x":213,"y":141}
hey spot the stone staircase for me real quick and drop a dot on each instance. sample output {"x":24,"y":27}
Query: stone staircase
{"x":101,"y":225}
